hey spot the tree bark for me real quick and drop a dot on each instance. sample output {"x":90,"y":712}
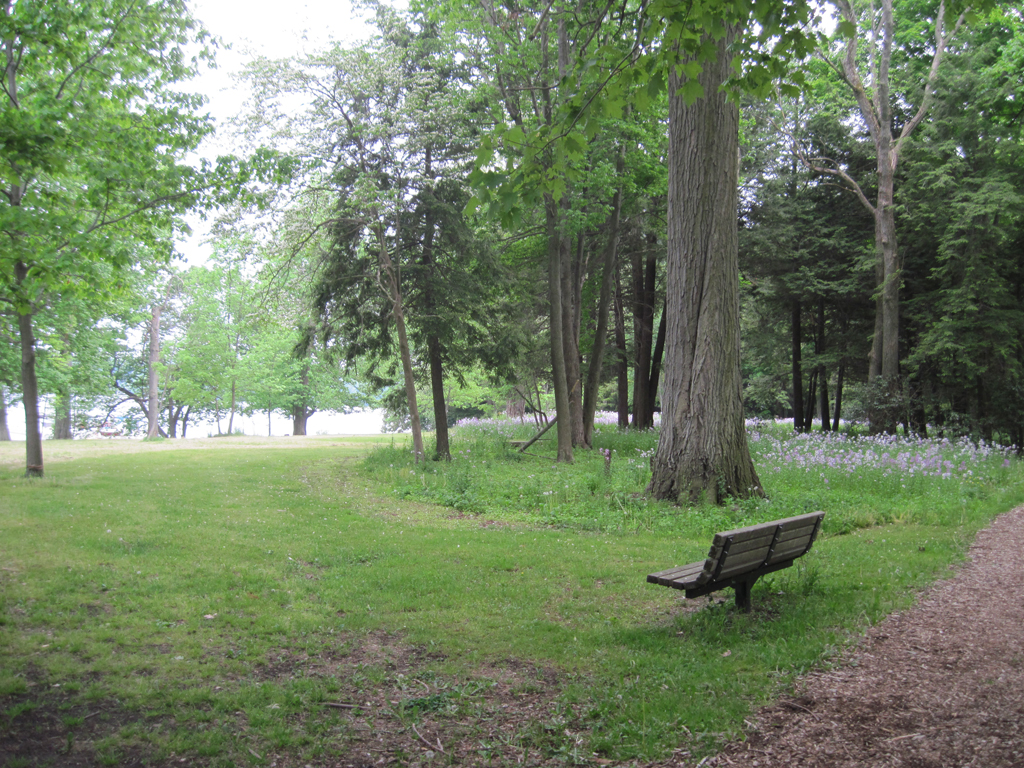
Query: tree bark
{"x":702,"y":450}
{"x":154,"y":384}
{"x":29,"y":386}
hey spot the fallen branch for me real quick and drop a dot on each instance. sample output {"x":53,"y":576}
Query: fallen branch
{"x":429,"y":745}
{"x":340,"y":705}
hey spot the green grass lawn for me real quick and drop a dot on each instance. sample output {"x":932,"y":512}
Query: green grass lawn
{"x":252,"y":602}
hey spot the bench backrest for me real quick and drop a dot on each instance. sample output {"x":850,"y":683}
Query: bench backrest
{"x":758,"y":546}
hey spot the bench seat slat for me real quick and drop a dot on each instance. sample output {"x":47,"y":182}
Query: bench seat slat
{"x":681,"y":577}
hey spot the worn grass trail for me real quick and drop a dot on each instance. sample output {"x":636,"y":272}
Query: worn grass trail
{"x":207,"y":604}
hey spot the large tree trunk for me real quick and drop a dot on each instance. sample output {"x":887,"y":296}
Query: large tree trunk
{"x":29,"y":386}
{"x":154,"y":384}
{"x":702,"y":450}
{"x":607,"y":285}
{"x":62,"y":417}
{"x":5,"y":432}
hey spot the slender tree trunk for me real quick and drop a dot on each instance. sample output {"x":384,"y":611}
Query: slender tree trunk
{"x":29,"y":386}
{"x":840,"y":373}
{"x":819,"y":350}
{"x":656,"y":360}
{"x":5,"y":431}
{"x":556,"y":328}
{"x":622,"y":363}
{"x":571,"y":334}
{"x":154,"y":384}
{"x":403,"y":346}
{"x":443,"y":449}
{"x":644,"y":282}
{"x":62,"y":417}
{"x":607,"y":286}
{"x":798,"y":374}
{"x":300,"y":411}
{"x":231,"y":418}
{"x":812,"y":393}
{"x":702,"y":449}
{"x":270,"y":431}
{"x":172,"y":420}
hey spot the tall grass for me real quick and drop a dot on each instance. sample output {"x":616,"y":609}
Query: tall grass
{"x":859,"y":480}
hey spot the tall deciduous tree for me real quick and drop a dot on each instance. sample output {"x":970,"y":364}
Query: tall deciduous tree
{"x":94,"y":135}
{"x":892,"y":107}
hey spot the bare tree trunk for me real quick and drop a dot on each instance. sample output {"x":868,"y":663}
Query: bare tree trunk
{"x":798,"y":373}
{"x":702,"y":450}
{"x":622,"y":364}
{"x":558,"y":369}
{"x":231,"y":418}
{"x":607,"y":285}
{"x":300,"y":410}
{"x":656,"y":360}
{"x":822,"y":374}
{"x":154,"y":384}
{"x":571,"y":337}
{"x":403,"y":345}
{"x":839,"y":393}
{"x":29,"y":386}
{"x":443,"y":449}
{"x":5,"y":432}
{"x":644,"y":276}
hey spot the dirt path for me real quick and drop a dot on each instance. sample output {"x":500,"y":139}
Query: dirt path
{"x":938,"y":686}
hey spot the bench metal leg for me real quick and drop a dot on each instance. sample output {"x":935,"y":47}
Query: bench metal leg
{"x":743,"y":594}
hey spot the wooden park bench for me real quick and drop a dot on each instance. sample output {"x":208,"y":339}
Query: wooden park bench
{"x":740,"y":557}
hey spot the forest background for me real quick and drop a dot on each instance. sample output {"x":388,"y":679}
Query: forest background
{"x":418,"y":220}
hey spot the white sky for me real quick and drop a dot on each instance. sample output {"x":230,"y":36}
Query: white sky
{"x":257,"y":27}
